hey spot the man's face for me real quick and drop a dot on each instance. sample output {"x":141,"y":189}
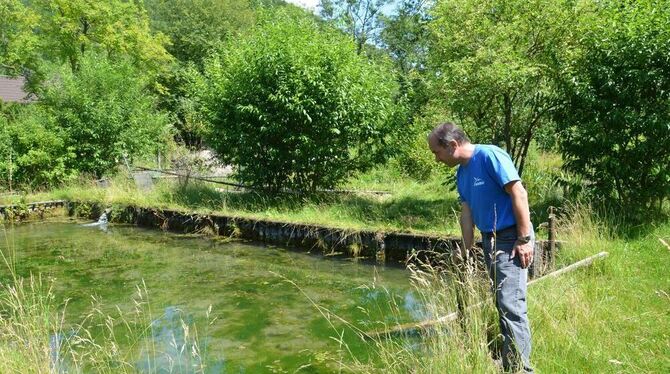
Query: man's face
{"x":443,"y":154}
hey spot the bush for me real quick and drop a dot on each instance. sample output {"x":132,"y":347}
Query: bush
{"x":293,"y":105}
{"x":614,"y":122}
{"x":413,"y":156}
{"x":32,"y":151}
{"x":105,"y":111}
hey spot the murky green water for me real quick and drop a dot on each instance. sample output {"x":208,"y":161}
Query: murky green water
{"x":259,"y":322}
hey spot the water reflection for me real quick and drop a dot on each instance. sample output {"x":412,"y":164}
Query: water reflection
{"x":174,"y":347}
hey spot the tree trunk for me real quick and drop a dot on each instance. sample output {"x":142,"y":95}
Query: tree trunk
{"x":507,"y":124}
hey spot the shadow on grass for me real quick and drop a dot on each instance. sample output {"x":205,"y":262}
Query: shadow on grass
{"x":437,"y":213}
{"x":410,"y":212}
{"x":403,"y":212}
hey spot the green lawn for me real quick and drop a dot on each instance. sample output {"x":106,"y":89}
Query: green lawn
{"x":613,"y":317}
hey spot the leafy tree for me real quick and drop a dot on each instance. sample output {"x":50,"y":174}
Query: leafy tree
{"x":495,"y":63}
{"x":32,"y":150}
{"x":19,"y":46}
{"x":293,"y":105}
{"x":405,"y":35}
{"x":197,"y":27}
{"x":117,"y":28}
{"x":615,"y":119}
{"x":106,"y":112}
{"x":358,"y":18}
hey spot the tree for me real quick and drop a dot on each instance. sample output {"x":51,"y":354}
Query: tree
{"x":293,"y":106}
{"x":405,"y":35}
{"x":495,"y":63}
{"x":19,"y":46}
{"x":614,"y":120}
{"x":105,"y":111}
{"x":197,"y":27}
{"x":358,"y":18}
{"x":117,"y":28}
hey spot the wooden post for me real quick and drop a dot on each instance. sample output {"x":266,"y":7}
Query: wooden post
{"x":551,"y":237}
{"x":538,"y":266}
{"x":10,"y":169}
{"x":380,"y":253}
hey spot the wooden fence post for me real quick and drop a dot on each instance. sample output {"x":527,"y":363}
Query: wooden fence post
{"x":551,"y":237}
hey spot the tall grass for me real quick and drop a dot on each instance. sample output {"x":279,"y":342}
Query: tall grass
{"x":465,"y":344}
{"x":37,"y":337}
{"x":441,"y":286}
{"x":610,"y":317}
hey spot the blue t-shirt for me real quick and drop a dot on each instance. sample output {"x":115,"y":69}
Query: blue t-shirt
{"x":481,"y":185}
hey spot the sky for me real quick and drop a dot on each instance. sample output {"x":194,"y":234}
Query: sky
{"x":311,"y":5}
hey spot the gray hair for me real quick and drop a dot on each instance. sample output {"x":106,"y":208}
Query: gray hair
{"x":447,"y":131}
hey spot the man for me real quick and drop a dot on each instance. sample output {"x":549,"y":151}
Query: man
{"x":493,"y":198}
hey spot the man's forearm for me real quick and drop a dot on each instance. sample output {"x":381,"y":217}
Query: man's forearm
{"x":468,"y":235}
{"x":467,"y":227}
{"x":520,"y":208}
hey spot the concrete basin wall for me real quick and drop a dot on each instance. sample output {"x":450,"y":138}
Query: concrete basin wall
{"x":383,"y":247}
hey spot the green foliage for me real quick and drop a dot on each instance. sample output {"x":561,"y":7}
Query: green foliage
{"x":32,"y":151}
{"x":179,"y":99}
{"x":105,"y":111}
{"x":615,"y":121}
{"x":358,"y":18}
{"x":495,"y":62}
{"x":117,"y":28}
{"x":293,"y":105}
{"x":412,"y":154}
{"x":19,"y":46}
{"x":405,"y":36}
{"x":197,"y":27}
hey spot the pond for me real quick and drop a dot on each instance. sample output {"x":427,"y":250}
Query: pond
{"x":254,"y":307}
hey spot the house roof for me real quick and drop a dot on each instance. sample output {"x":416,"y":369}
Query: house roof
{"x":11,"y":90}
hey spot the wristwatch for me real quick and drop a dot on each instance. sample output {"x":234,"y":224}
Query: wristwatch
{"x":524,"y":239}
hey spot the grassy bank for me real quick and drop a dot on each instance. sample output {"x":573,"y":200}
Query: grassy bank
{"x":412,"y":206}
{"x":612,"y":317}
{"x":421,"y":206}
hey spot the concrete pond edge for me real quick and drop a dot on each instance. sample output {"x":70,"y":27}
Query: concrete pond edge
{"x":379,"y":246}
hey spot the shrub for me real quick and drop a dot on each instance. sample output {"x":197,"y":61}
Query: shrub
{"x":105,"y":111}
{"x":293,"y":105}
{"x":614,"y":121}
{"x":32,"y":150}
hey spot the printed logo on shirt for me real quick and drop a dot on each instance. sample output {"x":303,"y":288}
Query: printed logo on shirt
{"x":478,"y":182}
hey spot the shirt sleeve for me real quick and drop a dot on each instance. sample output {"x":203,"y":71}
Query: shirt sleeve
{"x":500,"y":167}
{"x":461,"y":198}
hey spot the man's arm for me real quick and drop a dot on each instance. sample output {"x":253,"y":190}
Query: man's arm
{"x":522,"y":215}
{"x":467,"y":227}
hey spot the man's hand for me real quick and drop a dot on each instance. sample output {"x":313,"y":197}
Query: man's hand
{"x":525,"y":253}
